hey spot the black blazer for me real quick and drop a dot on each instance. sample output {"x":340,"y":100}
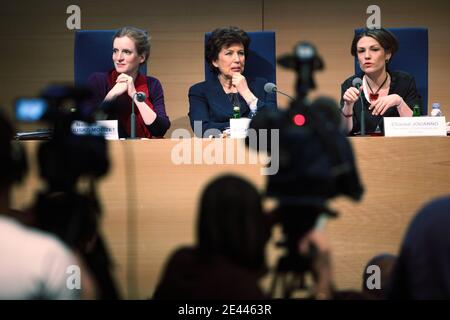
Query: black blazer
{"x":402,"y":84}
{"x":209,"y":103}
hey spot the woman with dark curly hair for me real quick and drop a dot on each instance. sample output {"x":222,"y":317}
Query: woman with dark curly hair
{"x":211,"y":102}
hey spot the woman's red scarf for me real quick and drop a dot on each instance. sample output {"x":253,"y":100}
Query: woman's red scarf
{"x":124,"y":101}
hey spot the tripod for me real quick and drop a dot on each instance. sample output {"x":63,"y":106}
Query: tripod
{"x":290,"y":274}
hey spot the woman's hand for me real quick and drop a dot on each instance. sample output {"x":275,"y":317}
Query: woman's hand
{"x":351,"y":95}
{"x":382,"y":104}
{"x":118,"y":89}
{"x":240,"y":83}
{"x":128,"y":80}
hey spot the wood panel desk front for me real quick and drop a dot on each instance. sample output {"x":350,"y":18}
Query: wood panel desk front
{"x":150,"y":203}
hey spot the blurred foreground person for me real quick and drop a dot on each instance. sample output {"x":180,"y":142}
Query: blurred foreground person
{"x":228,"y":259}
{"x":386,"y":263}
{"x":423,"y":267}
{"x":33,"y":264}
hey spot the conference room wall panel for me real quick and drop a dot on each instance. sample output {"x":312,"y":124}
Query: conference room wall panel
{"x":40,"y":47}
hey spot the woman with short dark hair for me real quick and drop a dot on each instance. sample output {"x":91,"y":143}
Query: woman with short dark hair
{"x":386,"y":93}
{"x":211,"y":102}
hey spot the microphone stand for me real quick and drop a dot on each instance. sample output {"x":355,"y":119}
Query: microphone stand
{"x":133,"y":119}
{"x":363,"y":115}
{"x":284,"y":94}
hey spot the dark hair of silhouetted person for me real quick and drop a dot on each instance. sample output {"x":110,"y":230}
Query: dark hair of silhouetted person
{"x":6,"y":134}
{"x":422,"y":269}
{"x":385,"y":262}
{"x":13,"y":159}
{"x":231,"y":222}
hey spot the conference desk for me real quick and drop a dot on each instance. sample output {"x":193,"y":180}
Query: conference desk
{"x":150,"y":203}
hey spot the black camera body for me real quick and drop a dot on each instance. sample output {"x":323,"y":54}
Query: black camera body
{"x":316,"y":161}
{"x":65,"y":157}
{"x":304,"y":60}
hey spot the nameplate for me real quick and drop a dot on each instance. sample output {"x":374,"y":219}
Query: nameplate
{"x":106,"y":128}
{"x":414,"y":126}
{"x":239,"y":127}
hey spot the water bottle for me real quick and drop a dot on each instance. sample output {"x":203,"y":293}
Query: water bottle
{"x":236,"y":112}
{"x":236,"y":106}
{"x":436,"y":110}
{"x":416,"y":111}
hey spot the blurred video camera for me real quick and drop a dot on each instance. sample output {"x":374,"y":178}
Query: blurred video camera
{"x":316,"y":161}
{"x":59,"y":105}
{"x":65,"y":157}
{"x":304,"y":61}
{"x":70,"y":164}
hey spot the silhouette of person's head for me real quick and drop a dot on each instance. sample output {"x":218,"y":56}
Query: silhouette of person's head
{"x":71,"y":216}
{"x":231,"y":222}
{"x":385,"y":262}
{"x":12,"y":156}
{"x":422,"y":270}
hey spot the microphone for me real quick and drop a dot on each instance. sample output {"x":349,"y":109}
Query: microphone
{"x":270,"y":87}
{"x":357,"y":83}
{"x":140,"y":97}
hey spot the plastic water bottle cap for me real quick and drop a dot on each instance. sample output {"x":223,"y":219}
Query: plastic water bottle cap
{"x":436,"y":110}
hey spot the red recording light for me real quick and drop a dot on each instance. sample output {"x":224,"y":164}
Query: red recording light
{"x":299,"y":120}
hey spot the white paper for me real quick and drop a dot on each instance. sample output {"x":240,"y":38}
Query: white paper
{"x":239,"y":127}
{"x":414,"y":126}
{"x":106,"y":128}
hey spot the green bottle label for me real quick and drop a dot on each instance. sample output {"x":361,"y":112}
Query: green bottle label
{"x":236,"y":112}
